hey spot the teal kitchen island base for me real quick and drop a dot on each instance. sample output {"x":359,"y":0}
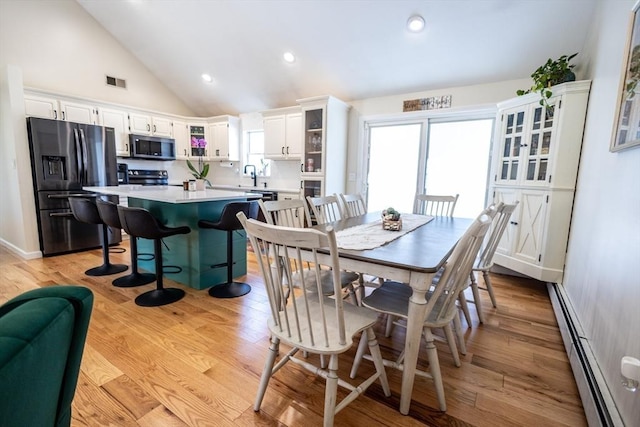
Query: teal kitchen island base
{"x":188,"y":258}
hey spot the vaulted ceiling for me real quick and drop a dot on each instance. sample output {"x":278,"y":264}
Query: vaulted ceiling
{"x":352,"y":49}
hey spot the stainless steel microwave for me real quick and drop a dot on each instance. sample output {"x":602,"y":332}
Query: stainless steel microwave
{"x":152,"y":147}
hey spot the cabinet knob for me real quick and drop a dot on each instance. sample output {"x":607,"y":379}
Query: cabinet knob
{"x":55,"y":114}
{"x":154,"y":128}
{"x":513,"y":223}
{"x":287,"y":149}
{"x":283,"y":150}
{"x":63,"y":118}
{"x":523,"y":145}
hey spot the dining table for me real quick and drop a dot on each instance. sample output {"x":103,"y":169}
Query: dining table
{"x":412,"y":258}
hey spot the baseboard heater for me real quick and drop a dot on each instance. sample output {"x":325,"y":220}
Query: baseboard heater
{"x":597,"y":402}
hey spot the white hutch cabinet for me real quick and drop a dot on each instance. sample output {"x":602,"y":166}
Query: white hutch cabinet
{"x":535,"y":161}
{"x":324,"y":131}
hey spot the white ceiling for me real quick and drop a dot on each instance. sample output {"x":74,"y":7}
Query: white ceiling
{"x":352,"y":49}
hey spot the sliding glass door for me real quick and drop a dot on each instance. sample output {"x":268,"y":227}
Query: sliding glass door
{"x":428,"y":156}
{"x":394,"y":160}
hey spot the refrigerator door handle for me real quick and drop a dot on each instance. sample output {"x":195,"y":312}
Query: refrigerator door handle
{"x":85,"y":177}
{"x":76,"y":140}
{"x":66,"y":196}
{"x":61,"y":215}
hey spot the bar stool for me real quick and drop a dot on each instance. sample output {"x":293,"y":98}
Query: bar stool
{"x":229,"y":222}
{"x":85,"y":210}
{"x":109,"y":213}
{"x":139,"y":222}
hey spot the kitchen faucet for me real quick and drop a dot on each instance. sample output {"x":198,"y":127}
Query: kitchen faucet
{"x":254,"y":175}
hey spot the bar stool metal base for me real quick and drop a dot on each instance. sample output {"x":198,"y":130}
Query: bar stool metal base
{"x":106,"y":269}
{"x":159,"y":297}
{"x":229,"y":290}
{"x":134,"y":279}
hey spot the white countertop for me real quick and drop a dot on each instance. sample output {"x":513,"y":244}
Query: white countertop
{"x":171,"y":194}
{"x":259,"y":188}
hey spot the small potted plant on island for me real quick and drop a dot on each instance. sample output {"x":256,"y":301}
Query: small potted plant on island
{"x":203,"y":168}
{"x":391,"y":220}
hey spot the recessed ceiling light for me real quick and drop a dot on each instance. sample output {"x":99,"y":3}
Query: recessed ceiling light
{"x":207,"y":78}
{"x":415,"y":23}
{"x":288,"y":57}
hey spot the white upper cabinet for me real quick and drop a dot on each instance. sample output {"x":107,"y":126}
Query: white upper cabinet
{"x":119,"y":121}
{"x":181,"y":135}
{"x":223,"y":142}
{"x":535,"y":161}
{"x":60,"y":109}
{"x":144,"y":124}
{"x":283,"y":133}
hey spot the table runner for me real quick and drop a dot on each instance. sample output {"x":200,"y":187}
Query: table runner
{"x":372,"y":235}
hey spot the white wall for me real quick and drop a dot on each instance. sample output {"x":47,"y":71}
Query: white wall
{"x":61,"y":48}
{"x":601,"y":276}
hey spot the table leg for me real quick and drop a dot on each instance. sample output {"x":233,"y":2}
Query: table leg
{"x":417,"y":311}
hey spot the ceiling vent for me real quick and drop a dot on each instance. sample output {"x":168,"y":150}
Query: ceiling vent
{"x":114,"y":81}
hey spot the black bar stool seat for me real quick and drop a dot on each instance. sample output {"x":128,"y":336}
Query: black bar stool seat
{"x":139,"y":222}
{"x":229,"y":222}
{"x":85,"y":210}
{"x":109,"y":213}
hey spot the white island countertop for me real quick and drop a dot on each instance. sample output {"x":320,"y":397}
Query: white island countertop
{"x":171,"y":194}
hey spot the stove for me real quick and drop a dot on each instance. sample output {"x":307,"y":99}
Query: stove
{"x":148,"y":177}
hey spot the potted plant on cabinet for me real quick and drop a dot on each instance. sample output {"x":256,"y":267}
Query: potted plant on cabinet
{"x":550,"y":74}
{"x":203,"y":168}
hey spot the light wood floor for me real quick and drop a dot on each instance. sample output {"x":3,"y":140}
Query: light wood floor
{"x":197,"y":362}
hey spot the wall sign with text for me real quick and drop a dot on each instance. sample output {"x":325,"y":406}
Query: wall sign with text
{"x":433,"y":103}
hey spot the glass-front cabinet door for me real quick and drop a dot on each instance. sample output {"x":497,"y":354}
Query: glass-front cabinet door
{"x":512,"y":140}
{"x":526,"y":145}
{"x":313,"y":142}
{"x":538,"y":148}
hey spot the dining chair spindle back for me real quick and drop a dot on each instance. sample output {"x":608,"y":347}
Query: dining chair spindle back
{"x":428,"y":204}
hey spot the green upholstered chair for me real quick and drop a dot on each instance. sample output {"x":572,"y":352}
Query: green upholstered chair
{"x":42,"y":336}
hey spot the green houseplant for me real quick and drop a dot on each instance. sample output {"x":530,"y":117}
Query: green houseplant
{"x":549,"y":74}
{"x":203,"y":168}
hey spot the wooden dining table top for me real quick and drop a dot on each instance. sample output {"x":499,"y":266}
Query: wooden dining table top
{"x":424,"y":249}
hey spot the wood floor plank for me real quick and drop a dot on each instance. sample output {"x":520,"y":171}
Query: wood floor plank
{"x":197,"y":362}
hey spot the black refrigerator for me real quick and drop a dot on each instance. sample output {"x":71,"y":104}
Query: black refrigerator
{"x":65,"y":157}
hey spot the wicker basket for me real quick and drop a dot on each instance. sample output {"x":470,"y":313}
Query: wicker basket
{"x":388,"y":224}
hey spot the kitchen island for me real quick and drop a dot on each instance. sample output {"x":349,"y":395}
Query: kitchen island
{"x":191,"y":255}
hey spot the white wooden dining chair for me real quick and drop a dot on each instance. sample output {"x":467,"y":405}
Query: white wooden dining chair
{"x":429,"y":204}
{"x":485,"y":259}
{"x":325,"y":209}
{"x":288,"y":213}
{"x":295,"y":213}
{"x":392,"y":298}
{"x":310,"y":322}
{"x":352,"y":205}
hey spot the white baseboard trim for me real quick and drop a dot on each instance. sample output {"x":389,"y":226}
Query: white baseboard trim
{"x":598,"y":404}
{"x":22,"y":254}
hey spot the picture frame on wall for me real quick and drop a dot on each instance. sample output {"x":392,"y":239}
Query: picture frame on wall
{"x":627,"y":122}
